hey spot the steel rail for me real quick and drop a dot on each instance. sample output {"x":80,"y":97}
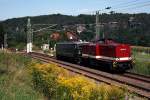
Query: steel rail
{"x":138,"y":86}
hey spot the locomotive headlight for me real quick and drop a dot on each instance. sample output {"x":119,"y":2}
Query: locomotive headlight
{"x":117,"y":59}
{"x":114,"y":64}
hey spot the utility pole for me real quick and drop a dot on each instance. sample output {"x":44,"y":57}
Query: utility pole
{"x":5,"y":41}
{"x":29,"y":36}
{"x":97,"y":26}
{"x":2,"y":47}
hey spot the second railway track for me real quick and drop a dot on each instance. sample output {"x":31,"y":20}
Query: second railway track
{"x":137,"y":76}
{"x":134,"y":82}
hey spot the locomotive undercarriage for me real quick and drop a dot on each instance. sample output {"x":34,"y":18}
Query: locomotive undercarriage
{"x":99,"y":64}
{"x":107,"y":65}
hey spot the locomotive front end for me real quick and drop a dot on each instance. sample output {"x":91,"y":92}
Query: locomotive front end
{"x":122,"y":59}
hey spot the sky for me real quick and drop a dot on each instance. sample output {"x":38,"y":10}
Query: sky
{"x":20,"y":8}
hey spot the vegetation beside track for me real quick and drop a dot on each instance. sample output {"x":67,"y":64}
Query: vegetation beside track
{"x":142,"y":63}
{"x":141,"y":49}
{"x":15,"y":80}
{"x":23,"y":79}
{"x":59,"y":84}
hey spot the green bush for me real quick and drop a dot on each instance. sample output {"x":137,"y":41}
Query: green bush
{"x":15,"y":81}
{"x":142,"y":63}
{"x":142,"y":67}
{"x":141,"y":49}
{"x":10,"y":62}
{"x":56,"y":83}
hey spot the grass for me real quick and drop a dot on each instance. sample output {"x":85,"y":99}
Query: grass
{"x":142,"y":63}
{"x":142,"y":67}
{"x":21,"y":79}
{"x":142,"y":56}
{"x":141,"y":49}
{"x":15,"y":80}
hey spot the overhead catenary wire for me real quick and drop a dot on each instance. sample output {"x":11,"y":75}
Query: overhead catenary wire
{"x":122,"y":5}
{"x":42,"y":24}
{"x":134,"y":5}
{"x":44,"y":28}
{"x":131,"y":5}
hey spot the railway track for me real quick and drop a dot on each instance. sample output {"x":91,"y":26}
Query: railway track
{"x":138,"y":84}
{"x":137,"y":76}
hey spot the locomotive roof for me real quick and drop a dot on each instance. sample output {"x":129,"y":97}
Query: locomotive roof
{"x":74,"y":42}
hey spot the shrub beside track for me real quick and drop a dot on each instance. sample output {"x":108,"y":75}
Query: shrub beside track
{"x":58,"y":83}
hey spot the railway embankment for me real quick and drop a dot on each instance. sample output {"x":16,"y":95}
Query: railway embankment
{"x":46,"y":59}
{"x":15,"y":80}
{"x":58,"y":83}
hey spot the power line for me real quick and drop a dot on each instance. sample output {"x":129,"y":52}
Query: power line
{"x":94,"y":11}
{"x":45,"y":28}
{"x":136,"y":7}
{"x":121,"y":5}
{"x":42,"y":24}
{"x":5,"y":40}
{"x":124,"y":3}
{"x":133,"y":4}
{"x":129,"y":6}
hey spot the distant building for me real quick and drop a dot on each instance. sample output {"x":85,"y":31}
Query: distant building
{"x":45,"y":46}
{"x":71,"y":35}
{"x":17,"y":29}
{"x":81,"y":28}
{"x":133,"y":23}
{"x":55,"y":36}
{"x":69,"y":28}
{"x":113,"y":25}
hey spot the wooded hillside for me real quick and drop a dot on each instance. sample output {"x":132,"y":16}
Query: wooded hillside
{"x":127,"y":28}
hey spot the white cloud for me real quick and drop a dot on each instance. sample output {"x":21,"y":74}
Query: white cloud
{"x":84,"y":11}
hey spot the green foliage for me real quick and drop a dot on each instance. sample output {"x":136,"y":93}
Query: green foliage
{"x":139,"y":49}
{"x":142,"y":62}
{"x":2,"y":32}
{"x":142,"y":67}
{"x":15,"y":80}
{"x":57,"y":84}
{"x":8,"y":60}
{"x":88,"y":36}
{"x":138,"y":35}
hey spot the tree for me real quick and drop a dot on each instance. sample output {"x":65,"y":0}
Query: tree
{"x":1,"y":34}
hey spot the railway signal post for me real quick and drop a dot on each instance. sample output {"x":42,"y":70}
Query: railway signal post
{"x":5,"y":41}
{"x":97,"y":26}
{"x":29,"y":36}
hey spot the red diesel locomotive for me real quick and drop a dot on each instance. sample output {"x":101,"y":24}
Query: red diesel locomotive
{"x":108,"y":54}
{"x":102,"y":54}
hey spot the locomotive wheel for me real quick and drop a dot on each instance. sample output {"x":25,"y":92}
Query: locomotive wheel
{"x":58,"y":57}
{"x":85,"y":61}
{"x":79,"y":61}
